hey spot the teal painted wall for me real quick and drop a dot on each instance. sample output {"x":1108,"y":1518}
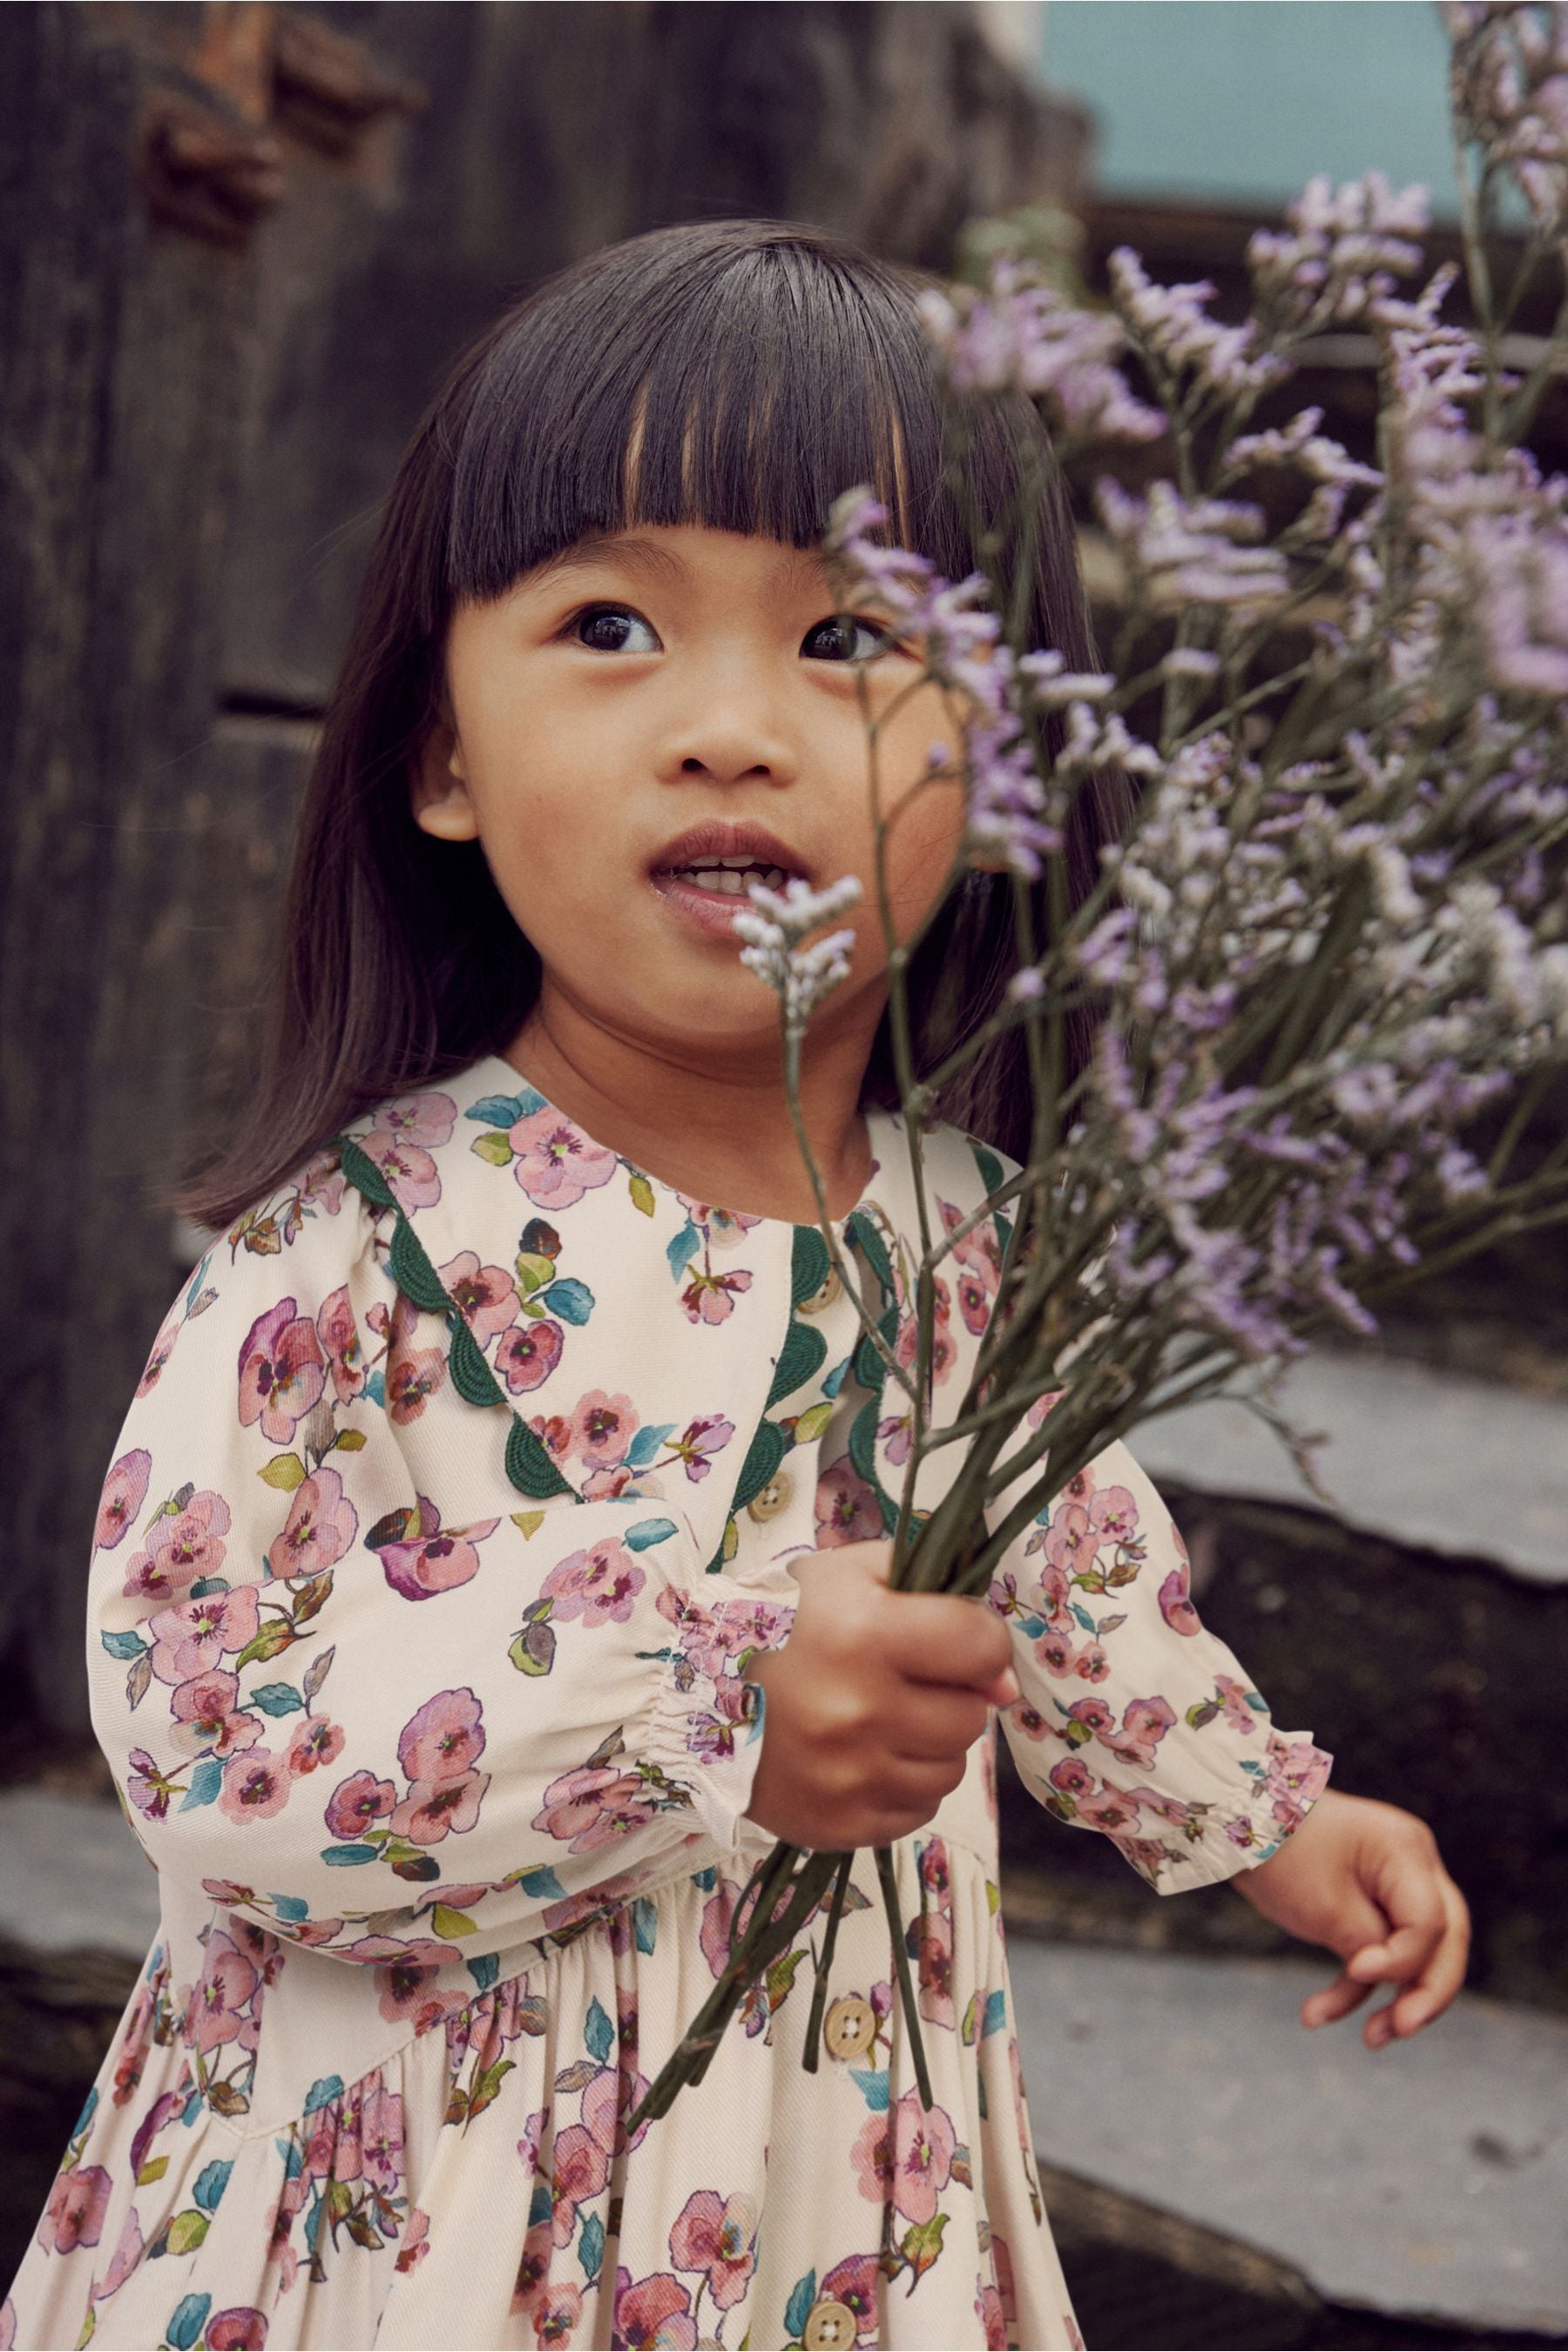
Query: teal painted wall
{"x":1242,"y":100}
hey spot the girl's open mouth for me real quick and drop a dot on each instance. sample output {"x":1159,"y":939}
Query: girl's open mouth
{"x":710,"y":896}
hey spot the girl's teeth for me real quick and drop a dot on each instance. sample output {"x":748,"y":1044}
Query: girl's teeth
{"x":730,"y":881}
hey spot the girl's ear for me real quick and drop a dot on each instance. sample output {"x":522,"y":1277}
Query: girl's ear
{"x":439,"y":788}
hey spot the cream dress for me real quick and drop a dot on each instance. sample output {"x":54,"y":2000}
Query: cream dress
{"x":430,"y":1712}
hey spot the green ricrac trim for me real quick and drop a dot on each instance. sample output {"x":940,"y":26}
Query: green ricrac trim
{"x":528,"y":1464}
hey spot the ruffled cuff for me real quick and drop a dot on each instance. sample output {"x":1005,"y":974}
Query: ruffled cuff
{"x":1217,"y":1840}
{"x":705,"y":1732}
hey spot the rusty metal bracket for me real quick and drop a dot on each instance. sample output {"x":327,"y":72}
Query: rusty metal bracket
{"x":329,"y":89}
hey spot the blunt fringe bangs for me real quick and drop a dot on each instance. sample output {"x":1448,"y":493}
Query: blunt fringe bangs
{"x":735,"y":375}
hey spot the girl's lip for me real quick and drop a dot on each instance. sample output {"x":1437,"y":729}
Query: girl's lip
{"x":708,"y":909}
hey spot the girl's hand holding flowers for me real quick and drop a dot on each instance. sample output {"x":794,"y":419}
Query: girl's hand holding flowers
{"x":1367,"y":1879}
{"x":873,"y":1703}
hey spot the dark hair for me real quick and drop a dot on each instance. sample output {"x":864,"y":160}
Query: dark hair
{"x":799,"y":366}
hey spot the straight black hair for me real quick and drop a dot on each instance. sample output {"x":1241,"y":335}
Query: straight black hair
{"x":762,"y":368}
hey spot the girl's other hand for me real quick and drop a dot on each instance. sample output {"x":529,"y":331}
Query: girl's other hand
{"x":873,"y":1702}
{"x":1367,"y":1879}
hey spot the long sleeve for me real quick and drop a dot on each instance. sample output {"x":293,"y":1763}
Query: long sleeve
{"x":344,"y":1681}
{"x":1133,"y":1718}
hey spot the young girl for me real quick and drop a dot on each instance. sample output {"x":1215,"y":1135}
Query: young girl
{"x":499,"y":1463}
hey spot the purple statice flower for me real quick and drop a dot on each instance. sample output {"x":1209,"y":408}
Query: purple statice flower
{"x":775,"y":927}
{"x":1179,"y":551}
{"x":1343,"y":249}
{"x":1168,"y":326}
{"x":1507,"y":83}
{"x":1021,"y":334}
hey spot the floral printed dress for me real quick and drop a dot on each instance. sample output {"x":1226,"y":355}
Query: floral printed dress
{"x":440,"y":1531}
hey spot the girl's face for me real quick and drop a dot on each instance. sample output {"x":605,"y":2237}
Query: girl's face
{"x":636,"y":686}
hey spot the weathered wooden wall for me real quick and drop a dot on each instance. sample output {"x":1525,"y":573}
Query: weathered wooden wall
{"x":238,"y":244}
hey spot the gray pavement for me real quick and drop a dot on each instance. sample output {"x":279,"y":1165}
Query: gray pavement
{"x":1427,"y":2180}
{"x":1431,"y":2178}
{"x":1425,"y":1457}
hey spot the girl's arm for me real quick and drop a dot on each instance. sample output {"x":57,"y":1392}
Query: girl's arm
{"x":1134,"y":1720}
{"x":350,"y":1683}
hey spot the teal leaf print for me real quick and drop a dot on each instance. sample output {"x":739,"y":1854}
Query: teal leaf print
{"x":322,"y":2092}
{"x":646,"y":1443}
{"x":996,"y":2012}
{"x":707,"y":1879}
{"x":543,"y":2204}
{"x":209,"y":1584}
{"x":205,"y":1782}
{"x":484,"y":1970}
{"x":211,"y":2182}
{"x":645,"y":1922}
{"x":599,"y":2032}
{"x":289,"y":1907}
{"x":803,"y":2295}
{"x":543,"y":1881}
{"x":571,"y":1299}
{"x":683,"y":1249}
{"x":648,"y":1531}
{"x":1084,"y":1619}
{"x":189,"y":2319}
{"x":873,"y":2082}
{"x":345,"y":1854}
{"x":376,"y":1389}
{"x":505,"y":1110}
{"x":277,"y":1698}
{"x":124,"y":1645}
{"x":833,"y":1381}
{"x":590,"y":2247}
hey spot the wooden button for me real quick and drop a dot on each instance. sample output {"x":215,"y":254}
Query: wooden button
{"x":828,"y":2323}
{"x":770,"y":1500}
{"x":849,"y":2027}
{"x":821,"y":1300}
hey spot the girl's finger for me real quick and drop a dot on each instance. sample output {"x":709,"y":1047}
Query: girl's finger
{"x":1419,"y":2003}
{"x":1334,"y":2001}
{"x":1412,"y":1903}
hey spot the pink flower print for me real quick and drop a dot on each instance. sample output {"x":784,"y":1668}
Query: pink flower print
{"x":180,"y":1550}
{"x":602,"y":1427}
{"x":382,"y":2138}
{"x":239,"y":2329}
{"x":444,"y":1739}
{"x":711,"y":1297}
{"x":555,"y":1162}
{"x":606,"y":1486}
{"x":528,"y":1354}
{"x":896,"y":1434}
{"x":226,"y":1985}
{"x":906,"y":2155}
{"x":709,"y":1433}
{"x":281,"y":1372}
{"x":162,"y":1348}
{"x":255,"y":1786}
{"x":601,"y":2101}
{"x":1073,"y":1538}
{"x":74,"y":2214}
{"x":1002,"y":2262}
{"x":205,"y":1716}
{"x":853,"y":2282}
{"x":654,"y":2312}
{"x":579,"y":2169}
{"x":126,"y":2255}
{"x":935,"y":1968}
{"x":1166,"y":1808}
{"x":413,"y":1377}
{"x":530,"y":2285}
{"x":603,"y":1894}
{"x":1297,"y":1776}
{"x":415,"y":2241}
{"x":599,"y":1585}
{"x":847,"y":1510}
{"x":1109,"y":1809}
{"x":1091,"y":1664}
{"x":1055,"y":1653}
{"x":431,"y":1807}
{"x":1029,"y":1720}
{"x":339,"y":1335}
{"x":486,"y":1295}
{"x":1042,"y":1406}
{"x":409,"y":1995}
{"x":1147,"y":1855}
{"x":146,"y":1786}
{"x":124,"y":1491}
{"x":554,"y":1431}
{"x":980,"y":1247}
{"x":591,"y":1805}
{"x":167,"y":2105}
{"x":1093,"y":1714}
{"x":717,"y":2235}
{"x":321,"y":1526}
{"x":1175,"y":1601}
{"x":191,"y":1637}
{"x":321,"y":1182}
{"x":356,"y":1804}
{"x":712,"y":1735}
{"x":410,"y":1171}
{"x":433,"y":1558}
{"x":723,"y":1226}
{"x":1072,"y":1778}
{"x":315,"y":1742}
{"x":1114,"y":1515}
{"x":988,"y":2311}
{"x":1231,"y":1697}
{"x":974,"y":1300}
{"x":418,"y":1119}
{"x":1144,"y":1723}
{"x":557,"y":2313}
{"x":943,"y":1353}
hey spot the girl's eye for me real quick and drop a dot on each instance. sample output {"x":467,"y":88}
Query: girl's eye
{"x":603,"y":618}
{"x":842,"y":628}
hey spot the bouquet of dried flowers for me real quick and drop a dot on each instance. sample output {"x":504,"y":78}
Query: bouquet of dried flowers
{"x":1337,"y":925}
